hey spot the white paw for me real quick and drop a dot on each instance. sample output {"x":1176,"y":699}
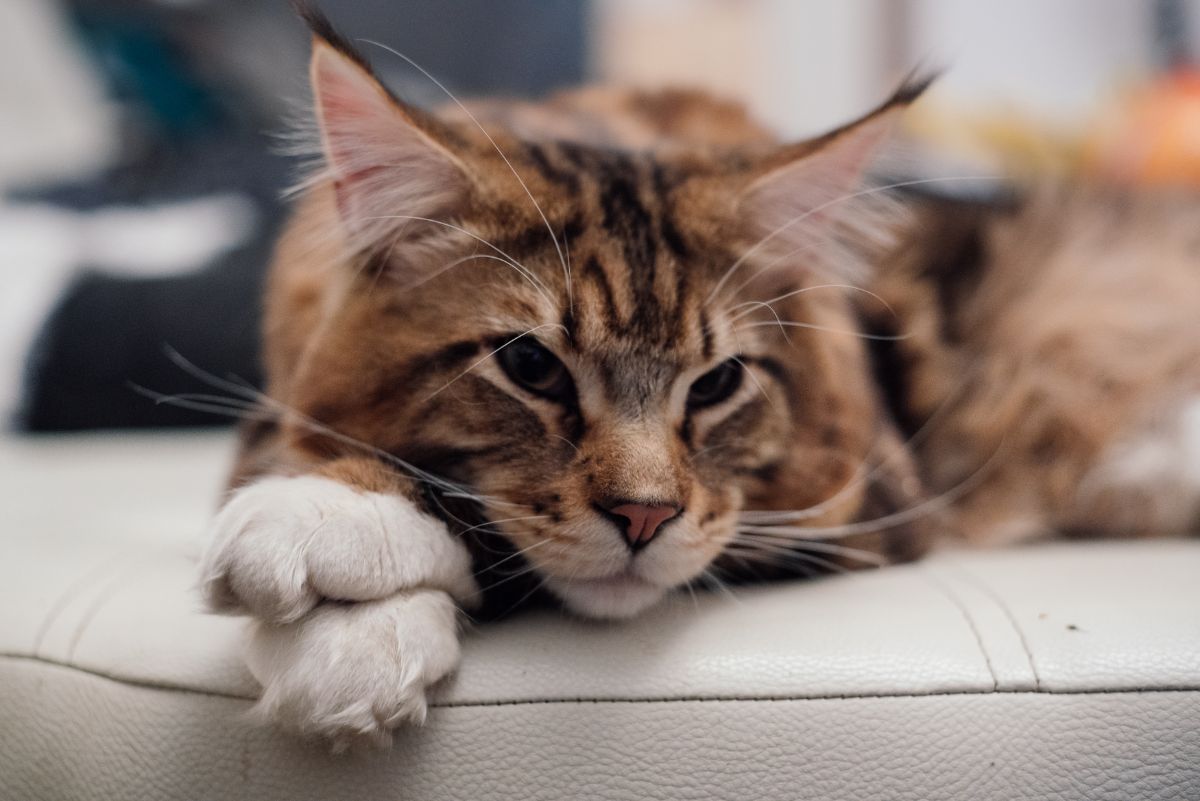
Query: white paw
{"x":281,"y":545}
{"x":350,"y":673}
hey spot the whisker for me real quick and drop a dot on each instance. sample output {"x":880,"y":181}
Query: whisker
{"x":798,"y":556}
{"x":490,"y":355}
{"x":446,"y":268}
{"x":891,"y":520}
{"x":757,"y":383}
{"x":533,"y":280}
{"x":520,"y":180}
{"x":828,"y":329}
{"x":861,"y":474}
{"x":508,"y":558}
{"x":773,"y":541}
{"x":709,"y":576}
{"x":816,"y":209}
{"x":755,"y":305}
{"x":574,"y":447}
{"x":281,"y":409}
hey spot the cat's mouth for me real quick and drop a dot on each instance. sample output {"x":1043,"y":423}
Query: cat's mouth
{"x":618,"y":596}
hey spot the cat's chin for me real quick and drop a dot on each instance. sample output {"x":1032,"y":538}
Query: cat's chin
{"x":615,"y":598}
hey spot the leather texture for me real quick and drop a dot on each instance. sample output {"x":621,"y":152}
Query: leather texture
{"x":1059,"y":671}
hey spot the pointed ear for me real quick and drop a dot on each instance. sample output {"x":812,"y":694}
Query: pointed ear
{"x":801,"y":200}
{"x":383,"y":157}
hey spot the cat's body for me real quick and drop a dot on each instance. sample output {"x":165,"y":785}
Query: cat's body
{"x":605,"y":345}
{"x":1057,"y":340}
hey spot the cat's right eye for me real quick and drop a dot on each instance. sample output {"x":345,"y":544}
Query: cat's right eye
{"x":532,"y":367}
{"x":716,"y":385}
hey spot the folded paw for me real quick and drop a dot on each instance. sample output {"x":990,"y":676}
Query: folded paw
{"x":349,"y":673}
{"x":281,"y":545}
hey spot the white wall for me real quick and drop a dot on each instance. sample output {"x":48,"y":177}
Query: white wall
{"x":801,"y":65}
{"x":804,"y":65}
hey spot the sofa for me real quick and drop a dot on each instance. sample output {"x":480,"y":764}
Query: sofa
{"x":1053,"y":671}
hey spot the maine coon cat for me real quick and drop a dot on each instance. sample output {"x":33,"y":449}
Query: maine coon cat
{"x":603,"y":346}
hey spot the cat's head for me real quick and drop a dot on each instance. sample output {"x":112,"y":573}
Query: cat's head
{"x":618,"y":352}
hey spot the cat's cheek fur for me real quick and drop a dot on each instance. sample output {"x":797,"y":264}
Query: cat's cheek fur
{"x":350,"y":673}
{"x":282,"y":544}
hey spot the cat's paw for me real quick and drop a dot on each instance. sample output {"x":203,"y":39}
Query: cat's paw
{"x":281,"y":545}
{"x":350,"y":673}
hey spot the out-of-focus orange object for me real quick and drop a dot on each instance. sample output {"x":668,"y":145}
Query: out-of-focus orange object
{"x":1151,"y":136}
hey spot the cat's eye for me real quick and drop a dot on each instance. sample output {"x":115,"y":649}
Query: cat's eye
{"x":533,"y":367}
{"x":716,"y":385}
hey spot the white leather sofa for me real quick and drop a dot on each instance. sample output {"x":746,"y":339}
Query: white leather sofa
{"x":1065,"y":671}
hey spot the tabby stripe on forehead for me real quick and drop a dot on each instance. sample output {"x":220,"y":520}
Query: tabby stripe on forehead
{"x":706,"y":333}
{"x":540,"y":155}
{"x":594,"y":271}
{"x":666,"y":220}
{"x":627,"y":219}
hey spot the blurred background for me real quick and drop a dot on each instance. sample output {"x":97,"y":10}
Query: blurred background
{"x":140,"y":170}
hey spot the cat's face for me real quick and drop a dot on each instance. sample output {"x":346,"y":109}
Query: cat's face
{"x":605,"y":351}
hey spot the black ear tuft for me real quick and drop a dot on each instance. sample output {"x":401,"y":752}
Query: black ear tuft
{"x":323,"y":29}
{"x":912,"y":87}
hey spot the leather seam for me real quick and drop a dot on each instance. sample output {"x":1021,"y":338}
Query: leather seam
{"x":994,"y":596}
{"x":149,"y":685}
{"x":962,"y":608}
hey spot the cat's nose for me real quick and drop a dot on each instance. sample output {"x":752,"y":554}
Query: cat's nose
{"x":642,"y":522}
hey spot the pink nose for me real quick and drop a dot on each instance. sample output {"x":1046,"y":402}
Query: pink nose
{"x":643,"y":521}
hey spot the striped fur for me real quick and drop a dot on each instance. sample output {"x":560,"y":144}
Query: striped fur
{"x":607,"y":230}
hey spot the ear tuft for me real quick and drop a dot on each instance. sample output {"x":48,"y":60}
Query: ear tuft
{"x":806,"y":202}
{"x":384,"y":159}
{"x":321,"y":28}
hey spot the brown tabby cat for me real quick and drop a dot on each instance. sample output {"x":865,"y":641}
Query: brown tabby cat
{"x":602,"y":346}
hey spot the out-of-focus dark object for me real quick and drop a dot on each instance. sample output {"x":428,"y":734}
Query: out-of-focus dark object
{"x":202,"y":87}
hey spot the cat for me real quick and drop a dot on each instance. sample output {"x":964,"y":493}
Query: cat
{"x":618,"y":342}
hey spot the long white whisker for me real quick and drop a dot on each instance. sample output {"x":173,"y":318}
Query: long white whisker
{"x":861,"y":474}
{"x":282,"y":409}
{"x":512,"y":556}
{"x":887,"y":521}
{"x":446,"y":268}
{"x":520,"y":180}
{"x":817,"y":209}
{"x":828,"y":329}
{"x":490,"y":355}
{"x":776,"y":543}
{"x":516,"y":265}
{"x":754,"y":305}
{"x":757,"y":383}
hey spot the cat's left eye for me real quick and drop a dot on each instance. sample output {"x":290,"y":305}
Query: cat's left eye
{"x":716,"y":385}
{"x":532,"y":366}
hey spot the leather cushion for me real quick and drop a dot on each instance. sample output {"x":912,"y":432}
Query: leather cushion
{"x":1054,"y":671}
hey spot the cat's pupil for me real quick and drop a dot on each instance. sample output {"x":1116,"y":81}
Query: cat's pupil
{"x":716,"y":385}
{"x":534,"y":367}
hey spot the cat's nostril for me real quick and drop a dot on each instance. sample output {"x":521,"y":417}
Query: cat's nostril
{"x":640,"y":522}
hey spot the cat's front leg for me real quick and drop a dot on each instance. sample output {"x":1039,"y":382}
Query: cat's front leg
{"x":353,"y":589}
{"x":350,"y":673}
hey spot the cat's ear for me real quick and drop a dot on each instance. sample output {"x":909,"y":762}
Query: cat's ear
{"x":385,"y":159}
{"x":803,"y":199}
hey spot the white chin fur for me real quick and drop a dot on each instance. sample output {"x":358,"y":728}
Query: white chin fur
{"x":607,"y":599}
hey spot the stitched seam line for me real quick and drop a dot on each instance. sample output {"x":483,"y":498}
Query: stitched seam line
{"x":150,"y":685}
{"x":987,"y":590}
{"x":962,"y":608}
